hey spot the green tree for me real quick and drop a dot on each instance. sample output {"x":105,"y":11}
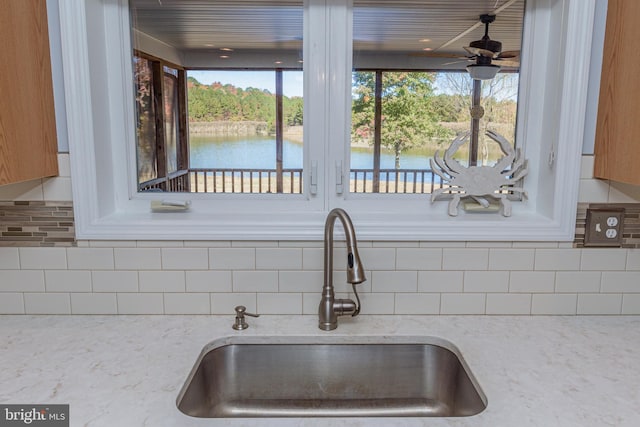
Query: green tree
{"x":408,"y":117}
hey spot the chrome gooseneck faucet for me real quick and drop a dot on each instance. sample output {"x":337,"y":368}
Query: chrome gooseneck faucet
{"x":330,"y":307}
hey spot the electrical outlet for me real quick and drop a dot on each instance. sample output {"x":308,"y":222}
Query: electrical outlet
{"x":604,"y":227}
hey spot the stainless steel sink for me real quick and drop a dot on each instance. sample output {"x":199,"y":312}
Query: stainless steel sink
{"x":331,"y":378}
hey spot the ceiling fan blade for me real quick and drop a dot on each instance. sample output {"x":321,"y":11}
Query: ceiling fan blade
{"x":479,"y":52}
{"x":506,"y":63}
{"x":509,"y":54}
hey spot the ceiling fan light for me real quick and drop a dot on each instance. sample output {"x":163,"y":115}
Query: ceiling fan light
{"x":483,"y":72}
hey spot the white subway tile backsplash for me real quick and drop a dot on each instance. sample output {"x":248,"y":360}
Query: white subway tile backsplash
{"x":137,"y":258}
{"x":394,"y":281}
{"x":301,"y":244}
{"x":462,"y":303}
{"x":486,"y":281}
{"x":232,"y":258}
{"x":207,"y":244}
{"x":225,"y":303}
{"x":310,"y":302}
{"x":631,"y":304}
{"x":417,"y":303}
{"x":208,"y":281}
{"x":554,"y":304}
{"x":374,"y":303}
{"x":489,"y":245}
{"x":394,"y":244}
{"x":160,"y":244}
{"x":419,"y":259}
{"x":67,"y":281}
{"x":255,"y":281}
{"x":278,"y":258}
{"x":620,"y":281}
{"x":185,"y":258}
{"x":140,"y":303}
{"x":599,"y":303}
{"x":507,"y":304}
{"x":440,"y":281}
{"x":603,"y":259}
{"x":633,"y":259}
{"x":162,"y":281}
{"x":593,"y":191}
{"x":195,"y":303}
{"x":279,"y":303}
{"x":47,"y":303}
{"x":532,"y":281}
{"x":253,"y":244}
{"x":109,"y":277}
{"x":313,"y":258}
{"x":11,"y":303}
{"x":577,"y":281}
{"x":9,"y":259}
{"x":535,"y":245}
{"x":511,"y":259}
{"x":57,"y":188}
{"x":43,"y":258}
{"x":377,"y":258}
{"x":22,"y":191}
{"x":22,"y":281}
{"x":586,"y":167}
{"x":557,"y":259}
{"x":64,"y":165}
{"x":107,"y":243}
{"x":441,"y":245}
{"x":620,"y":192}
{"x":94,"y":303}
{"x":114,"y":281}
{"x":301,"y":281}
{"x":465,"y":259}
{"x":90,"y":258}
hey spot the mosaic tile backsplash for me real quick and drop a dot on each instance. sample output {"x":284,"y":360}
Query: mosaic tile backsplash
{"x":50,"y":223}
{"x":36,"y":223}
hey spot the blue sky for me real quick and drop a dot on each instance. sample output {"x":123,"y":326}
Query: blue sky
{"x":291,"y":80}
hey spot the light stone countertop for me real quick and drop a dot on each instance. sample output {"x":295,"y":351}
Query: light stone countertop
{"x":127,"y":370}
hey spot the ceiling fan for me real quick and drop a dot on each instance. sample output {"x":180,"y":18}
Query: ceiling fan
{"x":486,"y":53}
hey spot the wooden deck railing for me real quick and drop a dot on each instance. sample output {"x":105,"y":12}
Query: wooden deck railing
{"x":202,"y":180}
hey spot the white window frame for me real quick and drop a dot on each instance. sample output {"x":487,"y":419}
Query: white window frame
{"x":552,"y":105}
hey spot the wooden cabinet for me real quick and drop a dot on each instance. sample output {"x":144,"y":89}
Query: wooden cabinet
{"x":617,"y":145}
{"x":28,"y":145}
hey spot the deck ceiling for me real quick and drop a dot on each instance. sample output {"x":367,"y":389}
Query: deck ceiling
{"x":383,"y":26}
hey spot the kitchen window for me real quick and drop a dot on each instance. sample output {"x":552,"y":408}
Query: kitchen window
{"x":108,"y":205}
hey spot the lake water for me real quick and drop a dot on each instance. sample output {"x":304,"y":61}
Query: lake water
{"x":254,"y":152}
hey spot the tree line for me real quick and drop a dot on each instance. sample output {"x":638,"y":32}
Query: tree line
{"x":218,"y":102}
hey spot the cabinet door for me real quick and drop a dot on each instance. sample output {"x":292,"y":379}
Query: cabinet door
{"x":28,"y":145}
{"x":617,"y":145}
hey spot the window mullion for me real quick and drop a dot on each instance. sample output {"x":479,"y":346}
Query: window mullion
{"x":339,"y":64}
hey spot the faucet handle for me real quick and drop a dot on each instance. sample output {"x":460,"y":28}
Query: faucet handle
{"x":240,"y":323}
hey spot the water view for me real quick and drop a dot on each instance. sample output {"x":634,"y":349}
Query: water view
{"x":256,"y":152}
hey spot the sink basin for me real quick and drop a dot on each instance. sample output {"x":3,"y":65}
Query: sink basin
{"x":331,"y":378}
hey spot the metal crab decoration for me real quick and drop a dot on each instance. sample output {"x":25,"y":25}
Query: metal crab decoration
{"x":480,"y":182}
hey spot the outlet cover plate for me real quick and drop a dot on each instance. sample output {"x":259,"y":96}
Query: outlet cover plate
{"x":604,"y":227}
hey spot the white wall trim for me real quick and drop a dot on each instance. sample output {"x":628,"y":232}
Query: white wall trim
{"x":105,"y":208}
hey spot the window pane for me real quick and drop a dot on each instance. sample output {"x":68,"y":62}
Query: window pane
{"x":233,"y":124}
{"x":145,"y":122}
{"x":412,"y":95}
{"x":243,"y":85}
{"x":171,"y":124}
